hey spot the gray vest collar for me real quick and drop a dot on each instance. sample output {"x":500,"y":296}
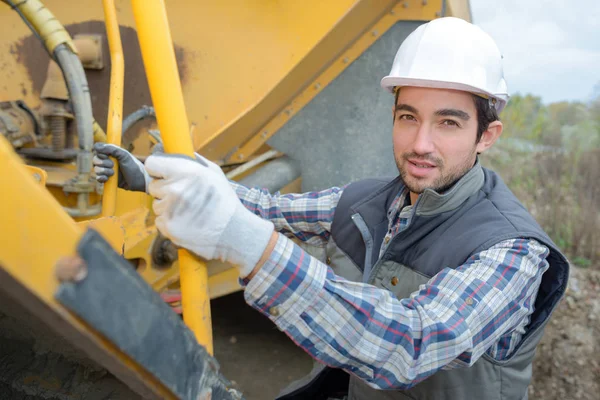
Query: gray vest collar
{"x":431,"y":202}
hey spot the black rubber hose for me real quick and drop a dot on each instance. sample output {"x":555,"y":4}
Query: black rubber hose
{"x":79,"y":93}
{"x":136,"y":116}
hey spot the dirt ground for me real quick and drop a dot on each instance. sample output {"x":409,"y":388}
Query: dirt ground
{"x":252,"y":352}
{"x":261,"y":360}
{"x":567,"y":364}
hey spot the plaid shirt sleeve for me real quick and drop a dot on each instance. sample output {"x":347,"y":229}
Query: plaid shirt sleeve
{"x":480,"y":307}
{"x":307,"y":216}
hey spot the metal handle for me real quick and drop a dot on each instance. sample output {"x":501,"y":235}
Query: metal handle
{"x":115,"y":102}
{"x":165,"y":89}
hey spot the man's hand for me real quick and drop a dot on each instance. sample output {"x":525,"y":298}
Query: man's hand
{"x":132,"y":175}
{"x":197,"y":209}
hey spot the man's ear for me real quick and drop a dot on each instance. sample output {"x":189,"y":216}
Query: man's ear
{"x":489,"y":137}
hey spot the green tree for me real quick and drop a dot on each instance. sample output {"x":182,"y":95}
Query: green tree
{"x":524,"y":117}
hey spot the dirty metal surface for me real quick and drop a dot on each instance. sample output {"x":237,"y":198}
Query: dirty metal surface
{"x":32,"y":55}
{"x":116,"y":301}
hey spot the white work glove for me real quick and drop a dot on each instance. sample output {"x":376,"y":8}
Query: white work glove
{"x":197,"y":209}
{"x":132,"y":175}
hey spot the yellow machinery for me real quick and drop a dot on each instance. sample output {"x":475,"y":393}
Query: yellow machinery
{"x":282,"y":94}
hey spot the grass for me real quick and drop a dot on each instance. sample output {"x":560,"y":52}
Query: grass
{"x":561,"y":190}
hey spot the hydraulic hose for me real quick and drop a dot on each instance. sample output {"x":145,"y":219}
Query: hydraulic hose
{"x":138,"y":115}
{"x":79,"y":93}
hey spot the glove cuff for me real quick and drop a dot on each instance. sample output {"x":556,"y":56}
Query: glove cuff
{"x":247,"y":236}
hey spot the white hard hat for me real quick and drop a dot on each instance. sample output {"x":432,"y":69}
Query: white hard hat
{"x":450,"y":53}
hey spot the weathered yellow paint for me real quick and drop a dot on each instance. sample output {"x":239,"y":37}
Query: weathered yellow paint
{"x":36,"y":233}
{"x":46,"y":25}
{"x":110,"y":228}
{"x":115,"y":102}
{"x":165,"y":88}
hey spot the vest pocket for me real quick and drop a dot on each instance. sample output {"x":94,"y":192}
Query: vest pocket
{"x":398,"y":279}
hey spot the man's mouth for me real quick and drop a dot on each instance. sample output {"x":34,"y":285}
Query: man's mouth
{"x":421,"y":164}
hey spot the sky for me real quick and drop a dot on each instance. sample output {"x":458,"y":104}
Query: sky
{"x":551,"y":48}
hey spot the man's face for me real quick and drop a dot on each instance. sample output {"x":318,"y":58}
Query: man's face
{"x":435,"y":132}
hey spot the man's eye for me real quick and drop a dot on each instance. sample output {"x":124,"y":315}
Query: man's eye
{"x":449,"y":122}
{"x":407,"y":117}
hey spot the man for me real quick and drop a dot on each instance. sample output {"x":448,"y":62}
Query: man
{"x":437,"y":284}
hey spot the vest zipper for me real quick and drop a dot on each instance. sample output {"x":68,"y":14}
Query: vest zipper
{"x":383,"y":257}
{"x":368,"y":239}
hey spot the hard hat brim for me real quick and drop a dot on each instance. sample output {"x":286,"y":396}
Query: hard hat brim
{"x":391,"y":82}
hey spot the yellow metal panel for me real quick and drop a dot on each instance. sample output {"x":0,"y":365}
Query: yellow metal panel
{"x":36,"y":234}
{"x":110,"y":228}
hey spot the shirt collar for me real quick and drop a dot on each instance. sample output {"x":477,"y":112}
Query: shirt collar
{"x":431,"y":202}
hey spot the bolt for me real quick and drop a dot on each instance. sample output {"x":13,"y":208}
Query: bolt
{"x":346,"y":60}
{"x":164,"y":252}
{"x":264,"y":134}
{"x":317,"y":86}
{"x":37,"y":177}
{"x":169,"y":252}
{"x":374,"y":33}
{"x":71,"y":269}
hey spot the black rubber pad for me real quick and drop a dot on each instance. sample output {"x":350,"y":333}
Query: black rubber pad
{"x":118,"y":303}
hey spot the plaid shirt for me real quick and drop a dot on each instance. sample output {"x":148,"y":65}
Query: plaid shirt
{"x":481,"y":307}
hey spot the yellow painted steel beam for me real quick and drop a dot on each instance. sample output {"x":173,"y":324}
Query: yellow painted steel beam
{"x":37,"y":233}
{"x":115,"y":102}
{"x":167,"y":97}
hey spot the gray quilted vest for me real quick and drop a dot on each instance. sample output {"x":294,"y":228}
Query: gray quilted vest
{"x":445,"y":230}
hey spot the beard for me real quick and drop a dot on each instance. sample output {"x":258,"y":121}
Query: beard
{"x":447,"y":176}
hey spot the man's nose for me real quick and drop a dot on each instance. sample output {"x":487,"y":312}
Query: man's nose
{"x":423,"y":143}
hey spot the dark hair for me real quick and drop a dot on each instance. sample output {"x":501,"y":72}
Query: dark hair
{"x":485,"y":114}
